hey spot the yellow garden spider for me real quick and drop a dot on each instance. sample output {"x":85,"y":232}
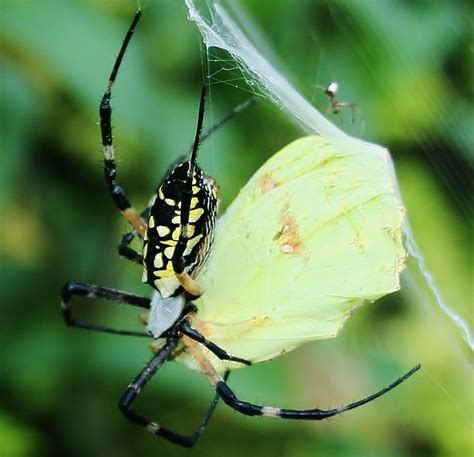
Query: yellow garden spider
{"x":177,"y":230}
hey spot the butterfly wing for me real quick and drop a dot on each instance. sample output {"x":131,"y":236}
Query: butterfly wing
{"x":314,"y":234}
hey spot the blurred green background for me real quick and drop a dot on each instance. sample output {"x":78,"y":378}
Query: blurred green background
{"x":407,"y":65}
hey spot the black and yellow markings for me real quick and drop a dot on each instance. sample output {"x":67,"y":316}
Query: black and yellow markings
{"x":167,"y":272}
{"x":168,"y":237}
{"x":192,"y":242}
{"x":176,"y":233}
{"x":169,"y":251}
{"x":162,"y":230}
{"x":166,"y":225}
{"x":158,"y":260}
{"x":195,"y":214}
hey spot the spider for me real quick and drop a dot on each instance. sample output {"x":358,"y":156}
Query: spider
{"x":335,"y":105}
{"x":177,"y":230}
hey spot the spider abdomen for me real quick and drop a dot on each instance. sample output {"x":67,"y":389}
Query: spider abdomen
{"x":167,"y":223}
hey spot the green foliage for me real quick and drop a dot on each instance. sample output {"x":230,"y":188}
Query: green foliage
{"x":407,"y":67}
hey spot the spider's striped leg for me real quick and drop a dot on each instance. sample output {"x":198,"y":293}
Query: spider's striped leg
{"x":140,"y":382}
{"x":178,"y":259}
{"x":71,"y":289}
{"x":105,"y":113}
{"x":192,"y":333}
{"x":250,"y":409}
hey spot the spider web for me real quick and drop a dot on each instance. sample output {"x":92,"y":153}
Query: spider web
{"x":246,"y":64}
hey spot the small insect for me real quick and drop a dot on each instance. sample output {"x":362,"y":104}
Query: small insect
{"x":336,"y":106}
{"x":308,"y":239}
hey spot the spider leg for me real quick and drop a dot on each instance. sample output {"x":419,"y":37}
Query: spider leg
{"x":125,"y":251}
{"x":124,"y":248}
{"x":192,"y":333}
{"x":178,"y":260}
{"x":105,"y":114}
{"x":338,"y":105}
{"x":71,"y":289}
{"x":250,"y":409}
{"x":140,"y":382}
{"x":230,"y":115}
